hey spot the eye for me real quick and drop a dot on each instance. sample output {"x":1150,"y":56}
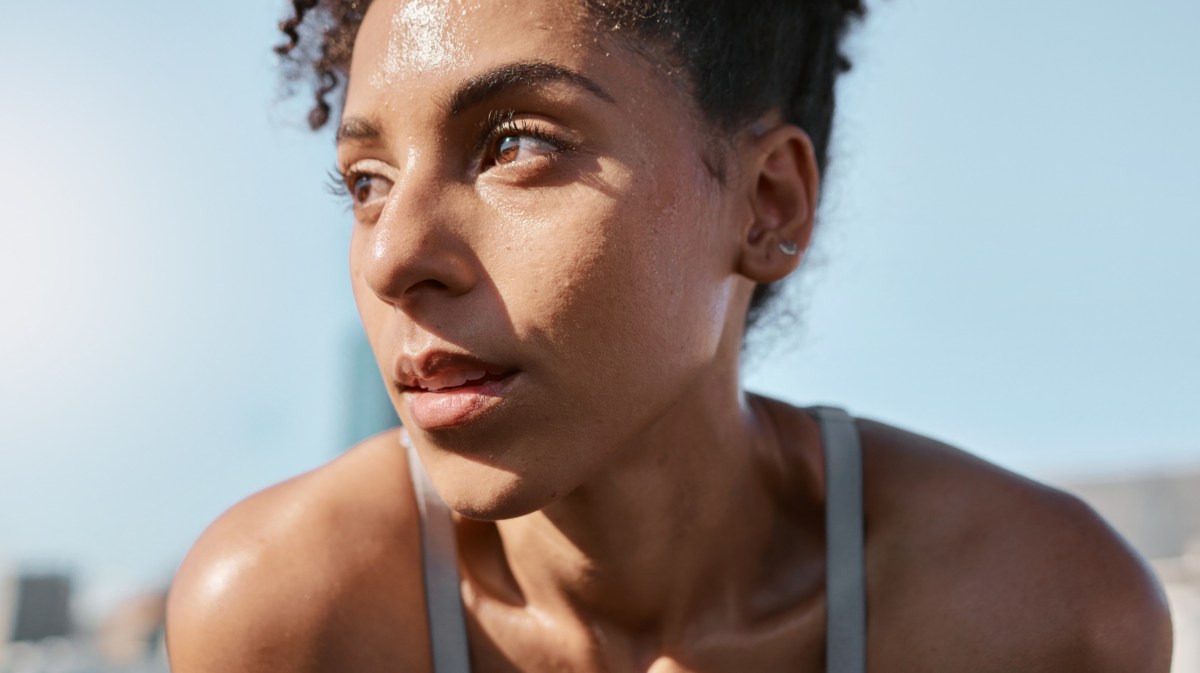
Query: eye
{"x":510,"y":149}
{"x":366,"y":188}
{"x":508,"y":140}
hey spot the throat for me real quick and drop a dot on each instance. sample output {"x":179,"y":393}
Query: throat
{"x":668,"y":537}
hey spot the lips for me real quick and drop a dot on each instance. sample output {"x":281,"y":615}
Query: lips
{"x":448,"y":389}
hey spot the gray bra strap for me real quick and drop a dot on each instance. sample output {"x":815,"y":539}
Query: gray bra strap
{"x":845,"y":571}
{"x":443,"y":603}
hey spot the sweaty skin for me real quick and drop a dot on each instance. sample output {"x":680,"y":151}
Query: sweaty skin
{"x":422,"y":39}
{"x":554,"y":285}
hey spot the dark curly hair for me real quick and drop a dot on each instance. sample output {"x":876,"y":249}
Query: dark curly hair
{"x":741,"y":58}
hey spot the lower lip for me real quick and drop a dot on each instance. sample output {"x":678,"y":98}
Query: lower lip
{"x":456,"y":406}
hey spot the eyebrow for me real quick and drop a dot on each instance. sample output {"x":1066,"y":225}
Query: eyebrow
{"x":478,"y":89}
{"x":357,"y":128}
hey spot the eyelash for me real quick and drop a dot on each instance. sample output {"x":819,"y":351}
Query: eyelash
{"x":338,"y":184}
{"x":501,"y":124}
{"x":498,"y":125}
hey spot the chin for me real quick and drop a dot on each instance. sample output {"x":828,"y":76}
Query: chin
{"x":488,"y":492}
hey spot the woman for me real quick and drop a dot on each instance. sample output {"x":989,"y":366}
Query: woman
{"x":565,"y":213}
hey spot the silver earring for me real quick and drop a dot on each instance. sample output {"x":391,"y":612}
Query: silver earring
{"x":789,"y":248}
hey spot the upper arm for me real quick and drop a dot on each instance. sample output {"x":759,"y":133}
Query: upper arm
{"x":1103,"y":608}
{"x":318,"y":574}
{"x":228,"y":608}
{"x":1128,"y":624}
{"x":980,"y":569}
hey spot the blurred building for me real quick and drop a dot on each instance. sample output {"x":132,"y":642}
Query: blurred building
{"x":38,"y":607}
{"x":369,"y":409}
{"x":39,"y":632}
{"x":8,"y":603}
{"x":132,"y":635}
{"x":1160,"y":516}
{"x":35,"y":620}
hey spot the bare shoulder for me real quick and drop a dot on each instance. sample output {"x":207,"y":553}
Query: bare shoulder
{"x":318,"y":573}
{"x":972,"y":567}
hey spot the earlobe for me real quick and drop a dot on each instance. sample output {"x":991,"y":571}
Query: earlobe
{"x":781,"y":184}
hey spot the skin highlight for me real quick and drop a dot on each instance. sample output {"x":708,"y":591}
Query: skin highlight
{"x":622,"y":503}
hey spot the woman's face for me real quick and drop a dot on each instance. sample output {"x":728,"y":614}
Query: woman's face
{"x":543,"y":263}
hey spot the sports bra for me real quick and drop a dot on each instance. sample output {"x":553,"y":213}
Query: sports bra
{"x":845,"y":571}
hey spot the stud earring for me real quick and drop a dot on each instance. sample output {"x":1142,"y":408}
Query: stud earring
{"x":789,"y":248}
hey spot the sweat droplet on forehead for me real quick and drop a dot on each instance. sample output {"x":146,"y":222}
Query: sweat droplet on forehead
{"x":423,"y":37}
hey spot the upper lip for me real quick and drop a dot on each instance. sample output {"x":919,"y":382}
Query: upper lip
{"x":436,"y":370}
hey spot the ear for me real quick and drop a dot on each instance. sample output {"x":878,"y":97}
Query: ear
{"x":781,"y":182}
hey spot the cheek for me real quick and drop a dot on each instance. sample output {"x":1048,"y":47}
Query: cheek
{"x":625,"y":273}
{"x":558,"y":266}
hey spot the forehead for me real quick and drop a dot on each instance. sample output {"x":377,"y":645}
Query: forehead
{"x":418,"y":46}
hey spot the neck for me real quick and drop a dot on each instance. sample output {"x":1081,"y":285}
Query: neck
{"x":674,"y":527}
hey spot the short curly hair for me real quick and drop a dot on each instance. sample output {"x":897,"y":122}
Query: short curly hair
{"x":742,"y":59}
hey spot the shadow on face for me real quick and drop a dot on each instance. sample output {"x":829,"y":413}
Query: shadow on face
{"x":531,"y":201}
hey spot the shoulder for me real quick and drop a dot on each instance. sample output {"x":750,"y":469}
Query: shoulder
{"x":299,"y":576}
{"x":973,"y":566}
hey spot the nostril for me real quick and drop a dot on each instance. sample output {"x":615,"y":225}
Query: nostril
{"x":426,"y":285}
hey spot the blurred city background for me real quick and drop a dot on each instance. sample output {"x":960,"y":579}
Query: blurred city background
{"x":1006,"y":263}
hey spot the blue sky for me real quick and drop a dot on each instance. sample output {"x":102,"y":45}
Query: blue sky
{"x":1006,"y":258}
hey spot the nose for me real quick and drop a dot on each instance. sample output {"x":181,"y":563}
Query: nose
{"x":417,"y":251}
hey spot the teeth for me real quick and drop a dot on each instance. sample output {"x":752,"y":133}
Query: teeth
{"x":450,"y":380}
